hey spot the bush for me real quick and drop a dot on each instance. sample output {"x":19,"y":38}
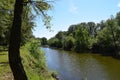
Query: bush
{"x":33,"y":59}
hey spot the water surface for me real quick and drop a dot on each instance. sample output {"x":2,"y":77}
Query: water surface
{"x":74,"y":66}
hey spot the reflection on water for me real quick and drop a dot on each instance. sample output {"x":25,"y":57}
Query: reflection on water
{"x":74,"y":66}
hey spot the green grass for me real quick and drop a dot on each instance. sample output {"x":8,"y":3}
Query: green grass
{"x":35,"y":69}
{"x":5,"y":71}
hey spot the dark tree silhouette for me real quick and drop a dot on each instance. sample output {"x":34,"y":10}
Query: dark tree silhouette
{"x":15,"y":36}
{"x":14,"y":45}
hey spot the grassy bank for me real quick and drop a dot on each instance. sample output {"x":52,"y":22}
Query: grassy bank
{"x":34,"y":64}
{"x":5,"y":72}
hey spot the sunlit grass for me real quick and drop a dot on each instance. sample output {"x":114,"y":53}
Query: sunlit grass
{"x":5,"y":71}
{"x":35,"y":70}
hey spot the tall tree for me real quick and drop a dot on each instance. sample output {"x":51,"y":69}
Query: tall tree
{"x":15,"y":36}
{"x":14,"y":45}
{"x":6,"y":17}
{"x":81,"y":36}
{"x":113,"y":27}
{"x":91,"y":28}
{"x":108,"y":38}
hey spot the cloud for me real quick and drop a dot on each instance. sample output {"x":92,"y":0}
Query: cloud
{"x":118,"y":5}
{"x":73,"y":8}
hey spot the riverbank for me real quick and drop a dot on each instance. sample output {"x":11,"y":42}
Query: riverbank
{"x":115,"y":55}
{"x":35,"y":69}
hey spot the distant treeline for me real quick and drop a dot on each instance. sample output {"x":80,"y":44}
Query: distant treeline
{"x":103,"y":37}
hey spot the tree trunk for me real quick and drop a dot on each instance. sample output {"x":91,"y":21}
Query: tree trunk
{"x":14,"y":45}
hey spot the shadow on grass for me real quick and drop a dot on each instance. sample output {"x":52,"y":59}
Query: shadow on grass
{"x":2,"y":50}
{"x":2,"y":54}
{"x":4,"y":63}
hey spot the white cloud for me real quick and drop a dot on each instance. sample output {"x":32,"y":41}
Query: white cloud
{"x":73,"y":8}
{"x":118,"y":5}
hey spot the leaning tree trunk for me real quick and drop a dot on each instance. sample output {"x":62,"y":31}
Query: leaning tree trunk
{"x":14,"y":46}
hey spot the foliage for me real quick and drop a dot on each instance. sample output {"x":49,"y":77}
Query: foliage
{"x":6,"y":14}
{"x":44,"y":41}
{"x":22,"y":18}
{"x":81,"y":39}
{"x":34,"y":61}
{"x":91,"y":26}
{"x":36,"y":69}
{"x":109,"y":37}
{"x":95,"y":37}
{"x":35,"y":51}
{"x":68,"y":43}
{"x":6,"y":7}
{"x":6,"y":18}
{"x":40,"y":7}
{"x":53,"y":42}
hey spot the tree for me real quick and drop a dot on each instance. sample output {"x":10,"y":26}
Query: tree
{"x":6,"y":14}
{"x":108,"y":37}
{"x":71,"y":30}
{"x":60,"y":35}
{"x":69,"y":43}
{"x":53,"y":42}
{"x":118,"y":18}
{"x":15,"y":36}
{"x":14,"y":45}
{"x":27,"y":25}
{"x":102,"y":25}
{"x":43,"y":41}
{"x":81,"y":36}
{"x":91,"y":26}
{"x":5,"y":20}
{"x":113,"y":27}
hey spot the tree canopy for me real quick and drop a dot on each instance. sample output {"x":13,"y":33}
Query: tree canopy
{"x":100,"y":37}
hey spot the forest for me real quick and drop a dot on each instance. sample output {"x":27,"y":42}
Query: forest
{"x":103,"y":37}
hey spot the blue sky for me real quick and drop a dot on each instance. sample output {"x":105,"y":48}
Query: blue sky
{"x":68,"y":12}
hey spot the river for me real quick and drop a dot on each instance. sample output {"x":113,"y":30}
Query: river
{"x":74,"y":66}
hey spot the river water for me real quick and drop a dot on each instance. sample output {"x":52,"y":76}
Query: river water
{"x":80,"y":66}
